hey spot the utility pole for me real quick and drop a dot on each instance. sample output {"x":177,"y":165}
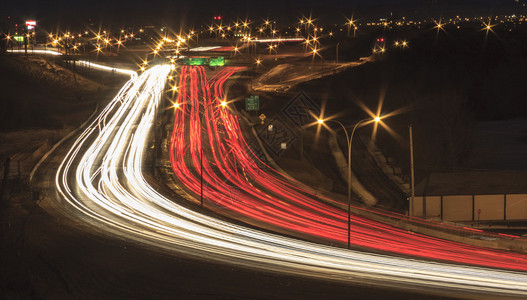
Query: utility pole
{"x":337,"y":52}
{"x":26,"y":41}
{"x":412,"y":197}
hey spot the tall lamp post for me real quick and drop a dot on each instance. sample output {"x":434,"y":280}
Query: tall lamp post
{"x":223,"y":104}
{"x":337,"y":52}
{"x":412,"y":196}
{"x":349,"y":140}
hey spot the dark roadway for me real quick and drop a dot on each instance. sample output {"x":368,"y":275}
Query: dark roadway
{"x":44,"y":257}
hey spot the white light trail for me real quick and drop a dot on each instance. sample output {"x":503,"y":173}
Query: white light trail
{"x":35,"y":51}
{"x":84,"y":63}
{"x":285,"y":39}
{"x":204,"y":48}
{"x":106,"y":68}
{"x":102,"y":177}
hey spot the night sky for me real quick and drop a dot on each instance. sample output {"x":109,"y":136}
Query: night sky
{"x":136,"y":12}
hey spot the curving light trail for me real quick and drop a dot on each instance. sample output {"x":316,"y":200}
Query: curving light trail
{"x":267,"y":198}
{"x":35,"y":51}
{"x":83,"y":62}
{"x":102,"y":179}
{"x":107,"y":68}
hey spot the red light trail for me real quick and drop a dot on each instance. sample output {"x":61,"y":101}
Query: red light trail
{"x":282,"y":203}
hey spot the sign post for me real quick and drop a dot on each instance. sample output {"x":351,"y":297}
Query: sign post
{"x":30,"y":25}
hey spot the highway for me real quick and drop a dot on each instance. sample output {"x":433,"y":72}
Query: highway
{"x":101,"y":180}
{"x":242,"y":187}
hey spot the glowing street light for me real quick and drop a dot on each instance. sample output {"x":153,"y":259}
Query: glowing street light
{"x":439,"y":26}
{"x":350,"y":22}
{"x":314,"y":52}
{"x":488,"y":27}
{"x":349,"y":139}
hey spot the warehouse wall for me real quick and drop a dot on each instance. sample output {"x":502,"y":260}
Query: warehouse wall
{"x":466,"y":207}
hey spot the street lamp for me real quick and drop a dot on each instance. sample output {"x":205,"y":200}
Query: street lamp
{"x":349,"y":140}
{"x":177,"y":105}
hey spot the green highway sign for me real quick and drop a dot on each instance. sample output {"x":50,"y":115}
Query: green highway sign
{"x":195,"y":61}
{"x":203,"y":61}
{"x":252,"y":103}
{"x":217,"y":61}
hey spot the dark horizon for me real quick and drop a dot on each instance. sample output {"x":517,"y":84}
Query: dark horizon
{"x":177,"y":13}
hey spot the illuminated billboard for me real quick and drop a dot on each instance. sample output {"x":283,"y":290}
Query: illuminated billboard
{"x":30,"y":24}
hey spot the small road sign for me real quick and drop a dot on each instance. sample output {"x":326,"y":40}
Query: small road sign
{"x":252,"y":103}
{"x":262,"y":117}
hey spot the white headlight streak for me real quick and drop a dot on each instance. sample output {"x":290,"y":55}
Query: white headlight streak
{"x":102,"y":178}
